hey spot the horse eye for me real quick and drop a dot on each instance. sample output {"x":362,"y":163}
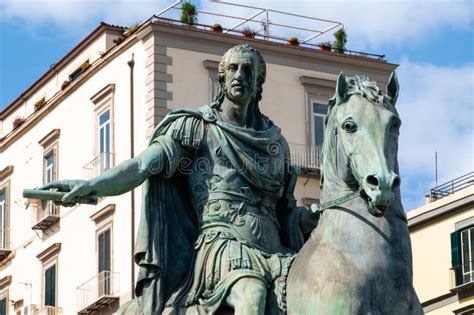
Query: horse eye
{"x":349,"y":126}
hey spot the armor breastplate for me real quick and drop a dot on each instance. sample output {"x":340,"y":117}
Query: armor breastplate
{"x":225,"y":201}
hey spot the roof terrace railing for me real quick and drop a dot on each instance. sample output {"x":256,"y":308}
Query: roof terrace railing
{"x":452,"y":186}
{"x":266,"y":24}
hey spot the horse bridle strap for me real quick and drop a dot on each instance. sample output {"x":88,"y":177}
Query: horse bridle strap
{"x":319,"y":209}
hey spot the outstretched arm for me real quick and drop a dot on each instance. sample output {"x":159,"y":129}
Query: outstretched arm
{"x":117,"y":180}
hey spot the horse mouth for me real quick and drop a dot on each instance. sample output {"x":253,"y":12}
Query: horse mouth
{"x":376,"y":209}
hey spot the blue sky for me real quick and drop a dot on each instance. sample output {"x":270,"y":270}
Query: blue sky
{"x":432,"y":41}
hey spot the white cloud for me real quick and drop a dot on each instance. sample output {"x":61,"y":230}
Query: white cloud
{"x":436,"y":105}
{"x":371,"y":24}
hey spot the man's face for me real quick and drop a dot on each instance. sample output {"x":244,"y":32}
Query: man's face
{"x":241,"y":77}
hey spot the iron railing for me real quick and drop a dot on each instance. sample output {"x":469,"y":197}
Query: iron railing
{"x":308,"y":157}
{"x":452,"y":186}
{"x":462,"y":275}
{"x":264,"y":18}
{"x":103,"y":285}
{"x":46,"y":310}
{"x":5,"y":238}
{"x":44,"y":213}
{"x":99,"y":164}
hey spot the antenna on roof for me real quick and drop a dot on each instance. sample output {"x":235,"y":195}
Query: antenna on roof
{"x":436,"y":168}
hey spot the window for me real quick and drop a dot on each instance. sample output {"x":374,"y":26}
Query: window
{"x":49,"y":175}
{"x":319,"y":112}
{"x":3,"y":305}
{"x":467,"y":251}
{"x":462,"y":255}
{"x":50,"y":286}
{"x":50,"y":144}
{"x":5,"y":212}
{"x":104,"y":139}
{"x":49,"y":260}
{"x":211,"y":66}
{"x":3,"y":218}
{"x":104,"y":224}
{"x":105,"y":262}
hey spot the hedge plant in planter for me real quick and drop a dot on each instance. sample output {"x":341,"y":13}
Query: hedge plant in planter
{"x":325,"y":46}
{"x":341,"y":40}
{"x":188,"y":14}
{"x":17,"y":122}
{"x":249,"y":32}
{"x":216,"y":28}
{"x":293,"y":41}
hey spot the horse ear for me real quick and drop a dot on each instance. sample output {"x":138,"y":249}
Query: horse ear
{"x":393,"y":88}
{"x":341,"y":88}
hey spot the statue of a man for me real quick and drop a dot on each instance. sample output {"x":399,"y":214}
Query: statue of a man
{"x":219,"y":224}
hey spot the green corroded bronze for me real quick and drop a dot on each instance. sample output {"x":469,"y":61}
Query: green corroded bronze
{"x":358,"y":260}
{"x":219,"y":223}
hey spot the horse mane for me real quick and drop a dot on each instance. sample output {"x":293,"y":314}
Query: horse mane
{"x":362,"y":85}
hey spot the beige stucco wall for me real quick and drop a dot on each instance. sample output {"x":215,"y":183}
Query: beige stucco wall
{"x":431,"y":247}
{"x":75,"y":117}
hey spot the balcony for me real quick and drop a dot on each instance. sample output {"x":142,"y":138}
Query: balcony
{"x":5,"y":246}
{"x":45,"y":310}
{"x":98,"y":293}
{"x":451,"y":187}
{"x":462,"y":277}
{"x":44,"y":214}
{"x":99,"y":164}
{"x":308,"y":157}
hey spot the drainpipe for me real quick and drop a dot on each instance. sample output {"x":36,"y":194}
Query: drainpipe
{"x":131,"y":64}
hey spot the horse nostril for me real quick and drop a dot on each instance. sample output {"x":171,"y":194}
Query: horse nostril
{"x":395,"y":182}
{"x":372,"y":181}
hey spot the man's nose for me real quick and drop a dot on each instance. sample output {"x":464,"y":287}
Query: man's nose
{"x":238,"y":74}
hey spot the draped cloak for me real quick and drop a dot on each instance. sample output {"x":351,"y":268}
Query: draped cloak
{"x":168,"y":225}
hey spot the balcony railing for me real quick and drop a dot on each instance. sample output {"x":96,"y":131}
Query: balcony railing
{"x":44,"y":215}
{"x":308,"y":157}
{"x":98,"y":292}
{"x":462,"y":276}
{"x":5,"y":246}
{"x":99,"y":164}
{"x":452,"y":186}
{"x":46,"y":310}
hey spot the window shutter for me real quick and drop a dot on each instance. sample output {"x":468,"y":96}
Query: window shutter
{"x":3,"y":306}
{"x":456,"y":256}
{"x":50,"y":286}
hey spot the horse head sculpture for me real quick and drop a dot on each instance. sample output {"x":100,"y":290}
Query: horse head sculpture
{"x":358,"y":260}
{"x":361,"y":143}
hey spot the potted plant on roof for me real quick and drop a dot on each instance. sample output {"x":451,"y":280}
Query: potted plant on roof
{"x":65,"y":84}
{"x":216,"y":28}
{"x":39,"y":104}
{"x":293,"y":41}
{"x":18,"y":121}
{"x":188,"y":14}
{"x":249,"y":32}
{"x":85,"y":66}
{"x":132,"y":29}
{"x":340,"y":40}
{"x":325,"y":46}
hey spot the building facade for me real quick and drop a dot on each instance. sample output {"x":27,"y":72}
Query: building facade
{"x":95,"y":108}
{"x":442,"y":235}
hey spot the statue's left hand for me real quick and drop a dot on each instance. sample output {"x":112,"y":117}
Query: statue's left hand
{"x":74,"y":189}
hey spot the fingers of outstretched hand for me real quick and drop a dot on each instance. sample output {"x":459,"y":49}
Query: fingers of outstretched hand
{"x":70,"y":196}
{"x":62,"y":185}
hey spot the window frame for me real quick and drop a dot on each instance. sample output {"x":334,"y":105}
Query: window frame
{"x":4,"y":295}
{"x":103,"y":102}
{"x":5,"y":185}
{"x":469,"y":273}
{"x":313,"y":101}
{"x":213,"y":80}
{"x":48,"y":258}
{"x":51,"y":149}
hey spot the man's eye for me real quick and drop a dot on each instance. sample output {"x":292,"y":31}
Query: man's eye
{"x":232,"y":67}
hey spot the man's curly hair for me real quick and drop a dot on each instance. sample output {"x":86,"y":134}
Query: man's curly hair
{"x":261,"y":73}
